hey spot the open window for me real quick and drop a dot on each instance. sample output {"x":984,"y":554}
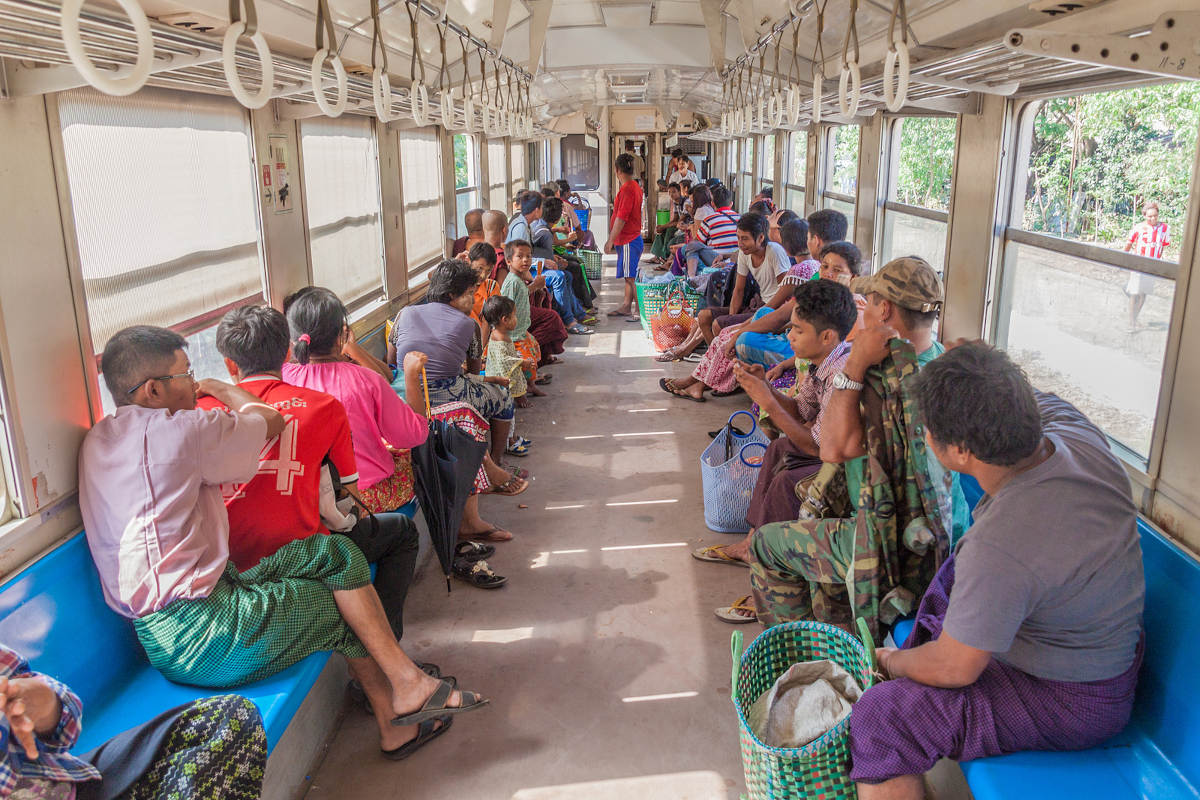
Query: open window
{"x":841,"y":172}
{"x":795,"y":168}
{"x":497,"y":153}
{"x":916,"y":211}
{"x":1100,"y":198}
{"x":466,"y":178}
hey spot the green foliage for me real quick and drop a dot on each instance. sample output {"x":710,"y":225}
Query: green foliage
{"x":799,"y":153}
{"x":462,"y":167}
{"x":1095,"y":160}
{"x":926,"y":161}
{"x":845,"y":159}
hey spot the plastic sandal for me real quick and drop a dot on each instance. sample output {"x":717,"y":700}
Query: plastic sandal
{"x":668,"y":386}
{"x":735,"y":614}
{"x":359,"y":696}
{"x":427,"y":731}
{"x":471,"y":551}
{"x":510,"y":488}
{"x":477,"y":573}
{"x":436,"y":706}
{"x":716,"y":554}
{"x":519,"y":450}
{"x":490,"y":535}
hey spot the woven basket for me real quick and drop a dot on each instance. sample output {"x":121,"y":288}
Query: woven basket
{"x":728,"y":475}
{"x":592,"y":262}
{"x":820,"y":769}
{"x":651,"y":297}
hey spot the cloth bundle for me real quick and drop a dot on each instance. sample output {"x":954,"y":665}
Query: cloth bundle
{"x":805,"y":702}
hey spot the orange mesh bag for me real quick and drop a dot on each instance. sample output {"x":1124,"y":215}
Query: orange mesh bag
{"x":673,"y":322}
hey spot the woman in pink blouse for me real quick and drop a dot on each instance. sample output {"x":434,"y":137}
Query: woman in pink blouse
{"x":383,"y":427}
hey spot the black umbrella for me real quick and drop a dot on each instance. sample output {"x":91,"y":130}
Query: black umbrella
{"x":444,"y":470}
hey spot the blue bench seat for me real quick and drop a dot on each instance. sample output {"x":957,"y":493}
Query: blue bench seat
{"x":1158,"y":755}
{"x":54,"y":614}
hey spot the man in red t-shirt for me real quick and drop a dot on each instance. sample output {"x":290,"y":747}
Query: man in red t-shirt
{"x":625,"y":232}
{"x":281,"y":502}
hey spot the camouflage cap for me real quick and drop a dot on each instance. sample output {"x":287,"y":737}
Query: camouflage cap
{"x":908,"y":282}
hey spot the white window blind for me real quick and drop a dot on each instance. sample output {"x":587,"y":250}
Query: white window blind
{"x":421,"y":178}
{"x":497,"y":173}
{"x":341,"y":197}
{"x":163,"y":194}
{"x":517,"y":178}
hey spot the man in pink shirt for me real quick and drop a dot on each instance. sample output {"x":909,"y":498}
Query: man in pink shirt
{"x":150,"y":477}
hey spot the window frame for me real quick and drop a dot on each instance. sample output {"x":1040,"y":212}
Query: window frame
{"x":828,"y":146}
{"x":376,"y":292}
{"x":1011,"y":235}
{"x":893,"y":137}
{"x":497,"y":189}
{"x":417,"y":273}
{"x":789,"y":184}
{"x":474,"y":178}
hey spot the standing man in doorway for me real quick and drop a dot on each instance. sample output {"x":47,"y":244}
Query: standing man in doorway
{"x":639,"y":163}
{"x":1148,"y":239}
{"x":625,"y":232}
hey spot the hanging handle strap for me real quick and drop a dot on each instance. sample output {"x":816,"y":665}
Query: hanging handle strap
{"x":250,"y":18}
{"x":851,"y":36}
{"x":377,"y":39}
{"x":442,"y":31}
{"x":416,"y":45}
{"x":900,"y":14}
{"x":325,"y":27}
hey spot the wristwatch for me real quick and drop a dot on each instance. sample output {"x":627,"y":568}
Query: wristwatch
{"x":842,"y":381}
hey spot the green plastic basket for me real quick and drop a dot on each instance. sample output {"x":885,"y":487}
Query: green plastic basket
{"x":592,"y":262}
{"x":820,"y":769}
{"x":651,"y":297}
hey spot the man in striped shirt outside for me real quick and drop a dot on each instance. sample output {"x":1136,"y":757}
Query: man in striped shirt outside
{"x":717,"y":235}
{"x":1148,"y":239}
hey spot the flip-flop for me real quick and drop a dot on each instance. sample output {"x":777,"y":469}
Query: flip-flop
{"x":716,"y":554}
{"x":359,"y":695}
{"x":668,"y":386}
{"x":436,"y":706}
{"x":618,"y":313}
{"x":738,"y":390}
{"x":544,"y":380}
{"x":730,"y":613}
{"x":519,"y":450}
{"x":510,"y":488}
{"x":427,"y":731}
{"x":667,"y":355}
{"x":523,"y":474}
{"x":490,"y":535}
{"x":692,"y":357}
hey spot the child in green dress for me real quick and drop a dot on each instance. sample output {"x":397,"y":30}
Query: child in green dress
{"x":503,"y":360}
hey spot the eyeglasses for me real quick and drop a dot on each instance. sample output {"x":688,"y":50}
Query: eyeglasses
{"x":191,"y":373}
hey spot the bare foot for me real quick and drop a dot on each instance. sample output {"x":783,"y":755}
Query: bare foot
{"x":740,"y":551}
{"x":535,"y":391}
{"x":523,"y":401}
{"x":410,"y":697}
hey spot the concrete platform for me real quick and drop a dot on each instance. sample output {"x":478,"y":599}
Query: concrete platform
{"x":608,"y":673}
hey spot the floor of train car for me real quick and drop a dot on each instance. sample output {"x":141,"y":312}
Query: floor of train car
{"x":608,"y":673}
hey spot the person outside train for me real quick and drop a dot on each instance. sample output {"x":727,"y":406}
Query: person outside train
{"x":1148,"y":238}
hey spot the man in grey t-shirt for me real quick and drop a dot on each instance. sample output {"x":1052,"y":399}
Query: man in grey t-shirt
{"x":1029,"y":638}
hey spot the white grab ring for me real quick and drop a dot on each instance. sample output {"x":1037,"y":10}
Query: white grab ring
{"x":228,"y":60}
{"x":318,"y":83}
{"x":449,"y":118}
{"x":793,"y":106}
{"x":725,"y":123}
{"x":418,"y":100}
{"x":895,"y":96}
{"x":469,"y":113}
{"x":853,"y":77}
{"x":818,"y":89}
{"x":775,"y":110}
{"x":381,"y":93}
{"x":73,"y":42}
{"x":747,"y":119}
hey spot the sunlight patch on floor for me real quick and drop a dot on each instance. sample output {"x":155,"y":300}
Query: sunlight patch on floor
{"x":699,"y":785}
{"x":646,"y":698}
{"x":503,"y":635}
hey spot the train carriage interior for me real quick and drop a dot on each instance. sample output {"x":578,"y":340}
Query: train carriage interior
{"x":683,"y":399}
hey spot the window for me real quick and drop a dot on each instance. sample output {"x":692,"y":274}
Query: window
{"x":421,"y":183}
{"x":915,"y":215}
{"x":163,"y":194}
{"x":581,"y":162}
{"x":732,"y":162}
{"x":341,"y":198}
{"x":746,"y":187}
{"x":795,"y":168}
{"x":531,"y":167}
{"x":766,"y":165}
{"x":517,"y":152}
{"x":1084,"y":318}
{"x":497,"y":173}
{"x":466,"y":178}
{"x":841,"y":172}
